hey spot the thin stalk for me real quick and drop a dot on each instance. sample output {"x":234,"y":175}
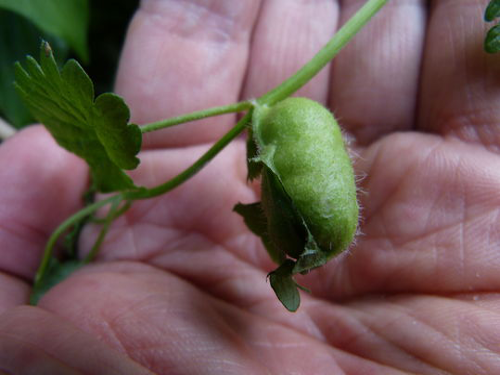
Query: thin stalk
{"x":68,"y":223}
{"x":325,"y":55}
{"x":198,"y":115}
{"x":195,"y":167}
{"x":113,"y":213}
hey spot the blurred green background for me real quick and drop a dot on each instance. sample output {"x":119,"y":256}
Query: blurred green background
{"x":90,"y":31}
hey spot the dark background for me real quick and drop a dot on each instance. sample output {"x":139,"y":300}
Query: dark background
{"x":106,"y":30}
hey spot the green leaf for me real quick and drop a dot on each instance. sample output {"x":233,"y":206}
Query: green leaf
{"x":492,"y":41}
{"x":256,"y":221}
{"x":67,"y":19}
{"x":254,"y":167}
{"x":97,"y":131}
{"x":492,"y":11}
{"x":56,"y":273}
{"x":285,"y":287}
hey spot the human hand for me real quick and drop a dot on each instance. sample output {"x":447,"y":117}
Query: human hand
{"x":180,"y":284}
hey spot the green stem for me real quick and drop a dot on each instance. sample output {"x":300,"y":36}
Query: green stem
{"x":198,"y":115}
{"x":113,"y":213}
{"x":195,"y":167}
{"x":325,"y":55}
{"x":68,"y":223}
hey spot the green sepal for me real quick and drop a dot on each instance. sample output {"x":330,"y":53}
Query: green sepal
{"x":254,"y":166}
{"x":312,"y":257}
{"x":284,"y":285}
{"x":56,"y":273}
{"x":261,"y":156}
{"x":256,"y":221}
{"x":492,"y":40}
{"x":97,"y":131}
{"x":286,"y":228}
{"x":492,"y":11}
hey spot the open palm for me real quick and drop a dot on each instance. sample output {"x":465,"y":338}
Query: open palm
{"x":180,"y":284}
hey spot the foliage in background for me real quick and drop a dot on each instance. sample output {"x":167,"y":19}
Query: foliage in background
{"x":492,"y":40}
{"x":91,"y":30}
{"x":18,"y":37}
{"x":66,"y":19}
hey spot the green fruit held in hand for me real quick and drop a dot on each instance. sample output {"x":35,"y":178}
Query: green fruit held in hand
{"x":301,"y":143}
{"x":309,"y":210}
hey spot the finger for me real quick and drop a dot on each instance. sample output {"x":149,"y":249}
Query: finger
{"x":459,"y":94}
{"x":13,"y":292}
{"x":181,"y":56}
{"x":287,"y":35}
{"x":375,"y":78}
{"x":40,"y":186}
{"x":429,"y":224}
{"x":25,"y":349}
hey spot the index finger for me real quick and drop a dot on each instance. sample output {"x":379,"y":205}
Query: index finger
{"x":182,"y":56}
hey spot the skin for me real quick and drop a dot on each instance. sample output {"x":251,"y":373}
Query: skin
{"x":180,"y":285}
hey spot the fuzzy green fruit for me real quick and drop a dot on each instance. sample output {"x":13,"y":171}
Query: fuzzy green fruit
{"x":301,"y":143}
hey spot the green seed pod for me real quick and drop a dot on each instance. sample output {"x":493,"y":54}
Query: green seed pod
{"x":301,"y":143}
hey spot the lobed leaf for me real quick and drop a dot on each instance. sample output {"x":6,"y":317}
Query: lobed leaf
{"x":97,"y":131}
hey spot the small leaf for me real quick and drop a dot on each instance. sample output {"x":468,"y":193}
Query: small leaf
{"x":492,"y":11}
{"x":56,"y":273}
{"x":256,"y":221}
{"x":97,"y":131}
{"x":285,"y":286}
{"x":492,"y":41}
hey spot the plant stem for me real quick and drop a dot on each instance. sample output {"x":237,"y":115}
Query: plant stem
{"x":325,"y":55}
{"x":113,"y":213}
{"x":195,"y":167}
{"x":72,"y":220}
{"x":198,"y":115}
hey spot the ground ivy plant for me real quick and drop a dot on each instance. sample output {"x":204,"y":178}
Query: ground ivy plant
{"x":98,"y":130}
